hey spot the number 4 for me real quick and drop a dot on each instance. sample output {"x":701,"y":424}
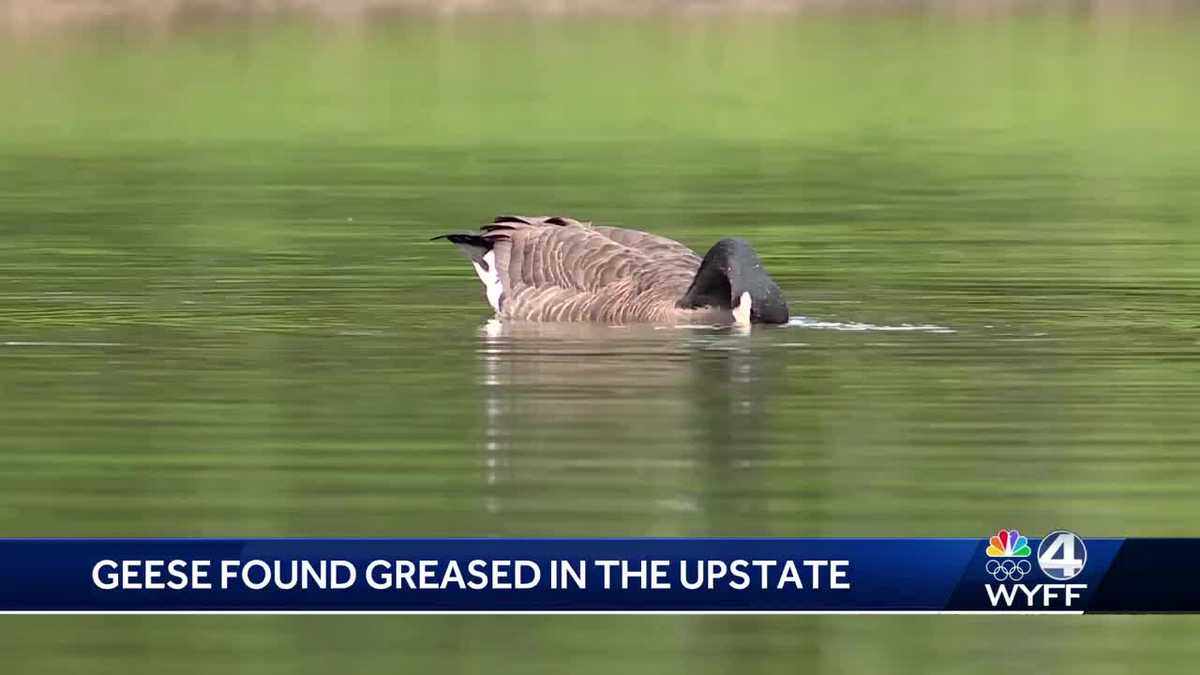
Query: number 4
{"x":1058,"y":558}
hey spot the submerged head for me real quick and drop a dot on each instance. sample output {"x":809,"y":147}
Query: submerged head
{"x":732,"y":277}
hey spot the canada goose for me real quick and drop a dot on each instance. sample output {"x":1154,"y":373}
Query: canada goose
{"x":560,"y":269}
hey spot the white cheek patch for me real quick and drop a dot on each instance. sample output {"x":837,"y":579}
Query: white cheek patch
{"x":491,"y":279}
{"x":741,"y":311}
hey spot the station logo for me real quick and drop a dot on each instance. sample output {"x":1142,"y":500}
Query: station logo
{"x":1004,"y":549}
{"x":1061,"y":556}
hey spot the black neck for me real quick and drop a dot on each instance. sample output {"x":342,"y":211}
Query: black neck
{"x":715,"y":282}
{"x":729,"y":270}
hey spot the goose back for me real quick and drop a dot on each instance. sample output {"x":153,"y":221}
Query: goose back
{"x":561,"y":269}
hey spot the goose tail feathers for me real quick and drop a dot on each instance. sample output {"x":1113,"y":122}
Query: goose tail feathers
{"x":478,"y":249}
{"x":474,"y":246}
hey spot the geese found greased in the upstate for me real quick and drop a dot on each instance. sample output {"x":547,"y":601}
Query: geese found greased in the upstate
{"x":561,"y":269}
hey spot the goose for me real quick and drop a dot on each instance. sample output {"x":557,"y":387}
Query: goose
{"x":560,"y":269}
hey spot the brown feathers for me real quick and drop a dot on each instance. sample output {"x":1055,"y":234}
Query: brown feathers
{"x":561,"y":269}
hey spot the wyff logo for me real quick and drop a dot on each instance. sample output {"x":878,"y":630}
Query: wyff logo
{"x":1061,"y":556}
{"x":1008,"y":544}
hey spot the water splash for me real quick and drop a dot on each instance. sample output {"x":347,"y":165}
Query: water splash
{"x":805,"y":322}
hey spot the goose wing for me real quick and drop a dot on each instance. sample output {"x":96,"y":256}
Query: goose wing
{"x":566,"y":253}
{"x":660,"y":248}
{"x":556,"y":268}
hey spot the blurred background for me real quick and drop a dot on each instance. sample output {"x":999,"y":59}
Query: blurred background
{"x":220,"y":314}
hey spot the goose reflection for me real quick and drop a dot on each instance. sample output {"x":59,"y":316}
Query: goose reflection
{"x":637,"y":423}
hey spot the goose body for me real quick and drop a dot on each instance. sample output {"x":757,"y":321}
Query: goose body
{"x":561,"y":269}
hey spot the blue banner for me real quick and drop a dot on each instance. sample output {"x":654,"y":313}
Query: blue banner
{"x":1005,"y":572}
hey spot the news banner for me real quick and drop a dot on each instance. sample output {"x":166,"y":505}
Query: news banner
{"x":1003,"y":572}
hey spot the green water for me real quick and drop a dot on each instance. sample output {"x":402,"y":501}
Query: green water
{"x":220,"y":315}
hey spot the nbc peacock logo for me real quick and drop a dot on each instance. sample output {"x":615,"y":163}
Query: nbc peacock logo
{"x":1002,"y":548}
{"x":1008,"y":544}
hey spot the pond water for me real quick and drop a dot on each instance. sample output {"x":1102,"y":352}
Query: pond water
{"x":220,"y":314}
